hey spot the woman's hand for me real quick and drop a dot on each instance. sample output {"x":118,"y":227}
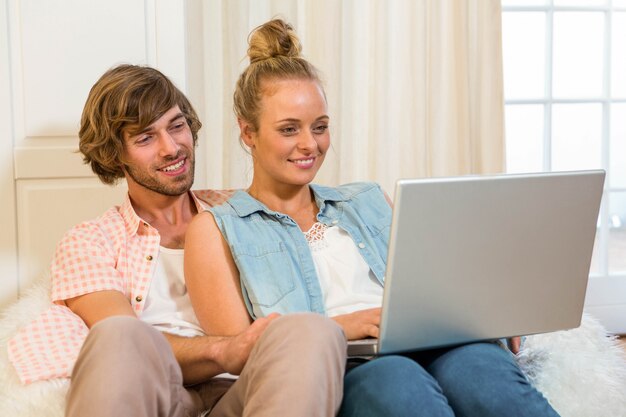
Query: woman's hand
{"x":514,"y":344}
{"x":360,"y":324}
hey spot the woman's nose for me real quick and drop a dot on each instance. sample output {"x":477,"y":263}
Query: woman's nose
{"x":307,"y":141}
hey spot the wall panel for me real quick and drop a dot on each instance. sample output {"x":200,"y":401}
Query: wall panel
{"x":49,"y":207}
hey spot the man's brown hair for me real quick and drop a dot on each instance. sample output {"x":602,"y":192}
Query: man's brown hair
{"x":126,"y":96}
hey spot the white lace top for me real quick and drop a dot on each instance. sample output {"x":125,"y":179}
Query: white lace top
{"x":346,"y":280}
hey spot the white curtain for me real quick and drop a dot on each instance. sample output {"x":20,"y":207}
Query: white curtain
{"x":414,"y":86}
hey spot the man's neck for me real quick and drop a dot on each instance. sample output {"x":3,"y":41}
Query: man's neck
{"x":170,"y":215}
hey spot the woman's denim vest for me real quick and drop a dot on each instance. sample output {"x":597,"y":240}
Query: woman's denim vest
{"x":273,"y":257}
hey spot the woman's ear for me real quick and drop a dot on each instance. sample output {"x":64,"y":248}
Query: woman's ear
{"x":246,"y":132}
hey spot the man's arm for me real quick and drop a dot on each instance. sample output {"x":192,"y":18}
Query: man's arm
{"x":200,"y":358}
{"x":203,"y":357}
{"x":96,"y":306}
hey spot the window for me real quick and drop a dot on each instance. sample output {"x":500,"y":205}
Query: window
{"x":565,"y":102}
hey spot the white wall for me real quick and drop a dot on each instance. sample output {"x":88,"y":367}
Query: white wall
{"x":51,"y":53}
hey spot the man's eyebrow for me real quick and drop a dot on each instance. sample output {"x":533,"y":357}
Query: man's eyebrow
{"x":151,"y":126}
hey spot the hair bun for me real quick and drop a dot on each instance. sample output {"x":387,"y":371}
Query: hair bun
{"x":272,"y":39}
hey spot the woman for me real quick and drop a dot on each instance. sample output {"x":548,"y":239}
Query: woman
{"x":287,"y":245}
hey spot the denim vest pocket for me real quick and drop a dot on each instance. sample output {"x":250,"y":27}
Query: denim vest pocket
{"x":379,"y":230}
{"x":271,"y":271}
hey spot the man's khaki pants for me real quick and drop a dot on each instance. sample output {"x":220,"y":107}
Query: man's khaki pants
{"x":126,"y":368}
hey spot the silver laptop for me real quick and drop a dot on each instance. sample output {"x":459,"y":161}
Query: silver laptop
{"x":486,"y":257}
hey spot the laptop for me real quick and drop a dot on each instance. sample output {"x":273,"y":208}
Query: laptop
{"x":480,"y":258}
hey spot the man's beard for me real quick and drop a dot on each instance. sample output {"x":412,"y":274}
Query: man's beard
{"x":180,"y":186}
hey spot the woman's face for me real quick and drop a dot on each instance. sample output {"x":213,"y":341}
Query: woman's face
{"x":292,"y":137}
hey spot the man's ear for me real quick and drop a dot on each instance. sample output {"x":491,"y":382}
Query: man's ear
{"x":246,"y":132}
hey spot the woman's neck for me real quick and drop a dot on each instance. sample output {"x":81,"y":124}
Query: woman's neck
{"x":297,"y":202}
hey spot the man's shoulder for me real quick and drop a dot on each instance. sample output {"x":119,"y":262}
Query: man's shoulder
{"x":212,"y":198}
{"x":109,"y":221}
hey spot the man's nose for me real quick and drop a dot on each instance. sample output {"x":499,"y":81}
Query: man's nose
{"x":169,"y":146}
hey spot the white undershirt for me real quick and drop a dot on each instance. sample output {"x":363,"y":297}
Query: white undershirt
{"x":168,"y":307}
{"x":348,"y":284}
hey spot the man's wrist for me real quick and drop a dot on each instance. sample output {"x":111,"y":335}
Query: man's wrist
{"x":216,"y":351}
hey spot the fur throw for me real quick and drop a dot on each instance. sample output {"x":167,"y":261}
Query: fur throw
{"x":44,"y":398}
{"x":582,"y":372}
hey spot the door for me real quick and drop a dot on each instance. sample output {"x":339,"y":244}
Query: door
{"x":51,"y":53}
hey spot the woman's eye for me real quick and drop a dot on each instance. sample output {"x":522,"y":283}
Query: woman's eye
{"x":288,"y":130}
{"x":320,"y":129}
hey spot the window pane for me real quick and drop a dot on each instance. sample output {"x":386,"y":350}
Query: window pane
{"x":618,"y":55}
{"x":619,"y":3}
{"x":576,"y":136}
{"x":578,"y":54}
{"x":618,"y":145}
{"x":524,"y":138}
{"x":523,"y":47}
{"x":580,"y":3}
{"x":617,"y":233}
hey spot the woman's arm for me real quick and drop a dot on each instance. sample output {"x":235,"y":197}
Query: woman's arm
{"x":212,"y":279}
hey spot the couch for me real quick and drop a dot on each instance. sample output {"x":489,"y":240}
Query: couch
{"x":582,"y":371}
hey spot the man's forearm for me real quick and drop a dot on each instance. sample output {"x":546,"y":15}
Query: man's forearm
{"x":203,"y":357}
{"x":197,"y":356}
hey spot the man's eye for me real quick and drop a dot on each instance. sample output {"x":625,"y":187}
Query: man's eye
{"x":143,"y":140}
{"x":178,"y":126}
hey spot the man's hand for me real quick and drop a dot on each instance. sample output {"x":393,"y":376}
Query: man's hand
{"x":233,"y":352}
{"x":360,"y":324}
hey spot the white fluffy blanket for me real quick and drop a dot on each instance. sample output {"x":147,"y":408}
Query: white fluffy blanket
{"x":582,"y":372}
{"x":38,"y":399}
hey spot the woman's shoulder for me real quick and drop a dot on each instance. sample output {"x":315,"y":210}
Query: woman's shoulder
{"x":347,"y":191}
{"x":231,"y":206}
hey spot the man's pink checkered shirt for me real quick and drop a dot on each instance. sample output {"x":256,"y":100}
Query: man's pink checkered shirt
{"x":116,"y":251}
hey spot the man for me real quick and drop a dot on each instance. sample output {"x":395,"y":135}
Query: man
{"x":127,"y":264}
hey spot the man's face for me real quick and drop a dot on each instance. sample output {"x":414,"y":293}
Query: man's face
{"x":160,"y":157}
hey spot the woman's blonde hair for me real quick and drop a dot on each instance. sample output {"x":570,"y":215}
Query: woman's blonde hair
{"x":275,"y":54}
{"x":126,"y":96}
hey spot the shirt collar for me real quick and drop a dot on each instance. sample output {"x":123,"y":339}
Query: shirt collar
{"x":200,"y":205}
{"x":244,"y":204}
{"x":132,"y":221}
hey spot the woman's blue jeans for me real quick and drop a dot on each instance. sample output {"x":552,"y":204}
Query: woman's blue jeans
{"x":477,"y":380}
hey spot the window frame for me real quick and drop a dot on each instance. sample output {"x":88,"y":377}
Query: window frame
{"x":605,"y":100}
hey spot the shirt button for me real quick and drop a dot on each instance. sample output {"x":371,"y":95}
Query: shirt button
{"x":335,"y":221}
{"x":361,"y":245}
{"x":149,"y":257}
{"x":138,"y":298}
